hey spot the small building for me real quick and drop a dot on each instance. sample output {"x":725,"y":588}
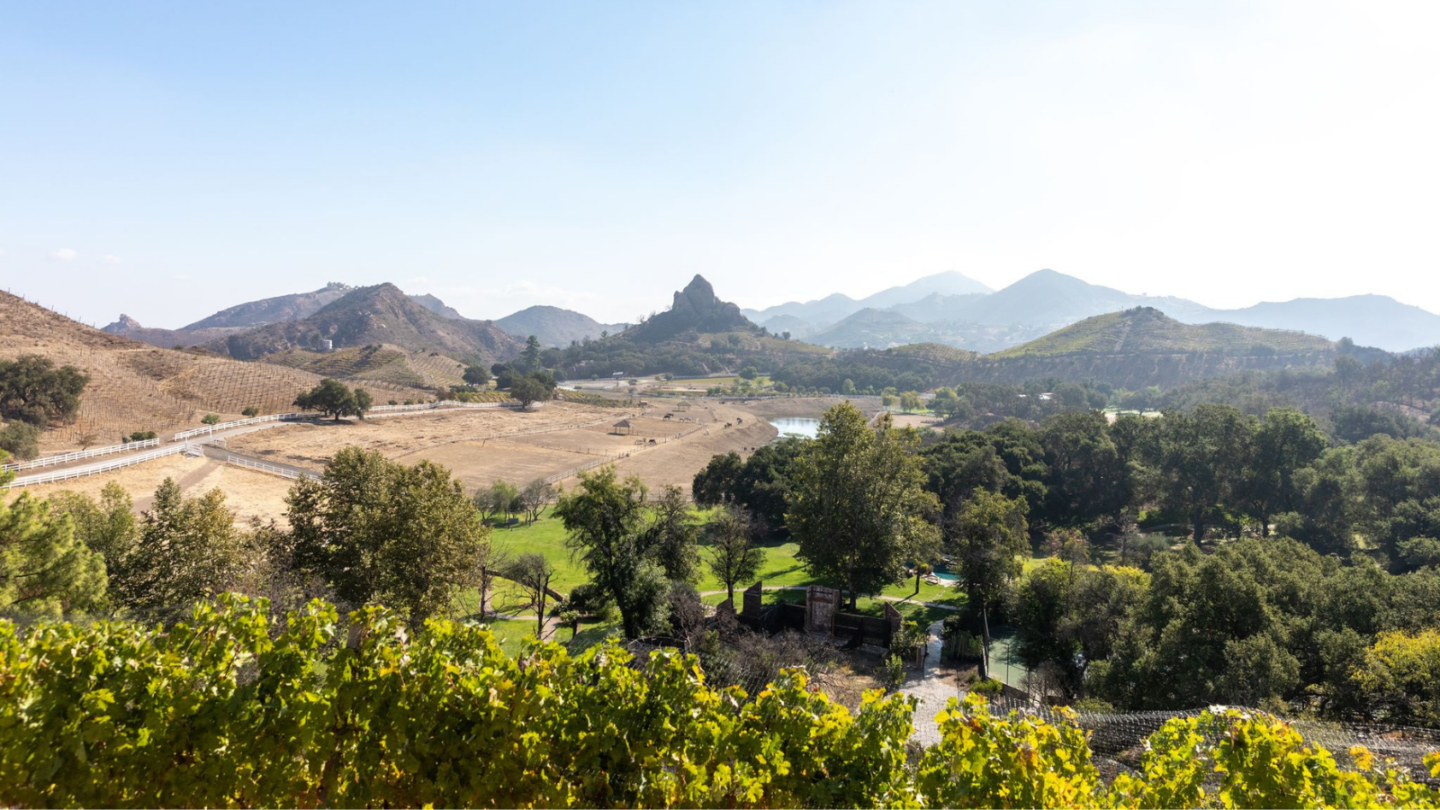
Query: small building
{"x":621,"y":428}
{"x":327,"y":345}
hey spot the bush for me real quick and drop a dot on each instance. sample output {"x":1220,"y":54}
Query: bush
{"x":21,"y":440}
{"x":592,"y":601}
{"x":138,"y":436}
{"x":227,"y":710}
{"x":250,"y":411}
{"x":894,"y":676}
{"x":210,"y":419}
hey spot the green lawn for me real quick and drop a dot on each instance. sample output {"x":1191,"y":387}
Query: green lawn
{"x":547,"y":536}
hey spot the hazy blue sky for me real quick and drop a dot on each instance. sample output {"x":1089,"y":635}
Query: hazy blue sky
{"x":169,"y":159}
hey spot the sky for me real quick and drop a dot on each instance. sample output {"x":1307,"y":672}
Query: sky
{"x":169,"y":159}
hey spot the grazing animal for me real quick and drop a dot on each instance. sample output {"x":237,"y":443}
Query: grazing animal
{"x":652,"y":441}
{"x":668,"y":415}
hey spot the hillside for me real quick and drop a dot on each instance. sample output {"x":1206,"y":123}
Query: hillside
{"x":873,"y":328}
{"x":554,"y":326}
{"x":376,"y":315}
{"x":135,"y":386}
{"x":1145,"y":330}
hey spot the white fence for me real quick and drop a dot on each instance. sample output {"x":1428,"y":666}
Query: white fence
{"x":93,"y":452}
{"x":589,"y":465}
{"x":284,"y":472}
{"x":96,"y":469}
{"x":254,"y":420}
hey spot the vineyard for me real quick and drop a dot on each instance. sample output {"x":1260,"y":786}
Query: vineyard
{"x":378,"y":364}
{"x":227,"y":710}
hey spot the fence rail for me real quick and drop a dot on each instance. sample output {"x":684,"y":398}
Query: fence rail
{"x":66,"y":458}
{"x":81,"y":472}
{"x":284,"y":472}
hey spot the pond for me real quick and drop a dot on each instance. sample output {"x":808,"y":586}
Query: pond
{"x":800,"y":426}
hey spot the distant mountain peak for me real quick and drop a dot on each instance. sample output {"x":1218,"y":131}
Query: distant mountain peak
{"x":122,"y":325}
{"x":695,"y":308}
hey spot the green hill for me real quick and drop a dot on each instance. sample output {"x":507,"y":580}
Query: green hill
{"x":1145,"y":330}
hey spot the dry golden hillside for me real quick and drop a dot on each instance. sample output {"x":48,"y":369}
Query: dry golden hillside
{"x":134,"y":386}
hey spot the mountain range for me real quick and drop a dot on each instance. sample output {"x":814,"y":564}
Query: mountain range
{"x":553,"y":326}
{"x":945,"y":309}
{"x":378,"y":315}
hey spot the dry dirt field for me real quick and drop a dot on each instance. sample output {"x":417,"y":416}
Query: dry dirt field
{"x":479,"y":446}
{"x":248,"y":493}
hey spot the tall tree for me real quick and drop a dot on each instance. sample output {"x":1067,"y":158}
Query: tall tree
{"x":45,"y":570}
{"x":188,"y":548}
{"x":733,"y":556}
{"x":610,"y":532}
{"x":379,"y":531}
{"x":858,"y":508}
{"x":530,"y":358}
{"x":675,"y":544}
{"x":988,"y":536}
{"x":108,"y":527}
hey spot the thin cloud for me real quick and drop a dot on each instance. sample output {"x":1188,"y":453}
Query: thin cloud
{"x":64,"y":254}
{"x":111,"y":258}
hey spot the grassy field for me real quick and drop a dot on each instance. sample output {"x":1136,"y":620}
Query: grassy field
{"x":547,"y":536}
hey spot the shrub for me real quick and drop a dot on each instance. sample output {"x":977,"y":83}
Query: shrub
{"x":250,"y":411}
{"x":210,"y":419}
{"x":21,"y":440}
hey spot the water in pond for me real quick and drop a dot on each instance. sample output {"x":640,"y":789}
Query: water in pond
{"x":801,"y":426}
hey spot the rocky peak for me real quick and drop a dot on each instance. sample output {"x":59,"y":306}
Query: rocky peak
{"x":123,"y":325}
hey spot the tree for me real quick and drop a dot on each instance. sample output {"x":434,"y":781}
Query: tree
{"x":530,"y":358}
{"x":108,"y":528}
{"x":187,"y":549}
{"x":1286,"y":441}
{"x":533,"y":388}
{"x":1400,"y":678}
{"x":363,"y":401}
{"x":1203,"y":459}
{"x":606,"y":522}
{"x":333,"y":398}
{"x":749,"y":373}
{"x":733,"y":556}
{"x":987,"y":537}
{"x":910,"y":401}
{"x":45,"y":569}
{"x":476,"y":375}
{"x":33,"y":390}
{"x":21,"y":440}
{"x":675,"y":547}
{"x":714,"y":484}
{"x":502,"y":496}
{"x":534,"y":497}
{"x":376,"y":530}
{"x":532,"y":572}
{"x":858,"y":507}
